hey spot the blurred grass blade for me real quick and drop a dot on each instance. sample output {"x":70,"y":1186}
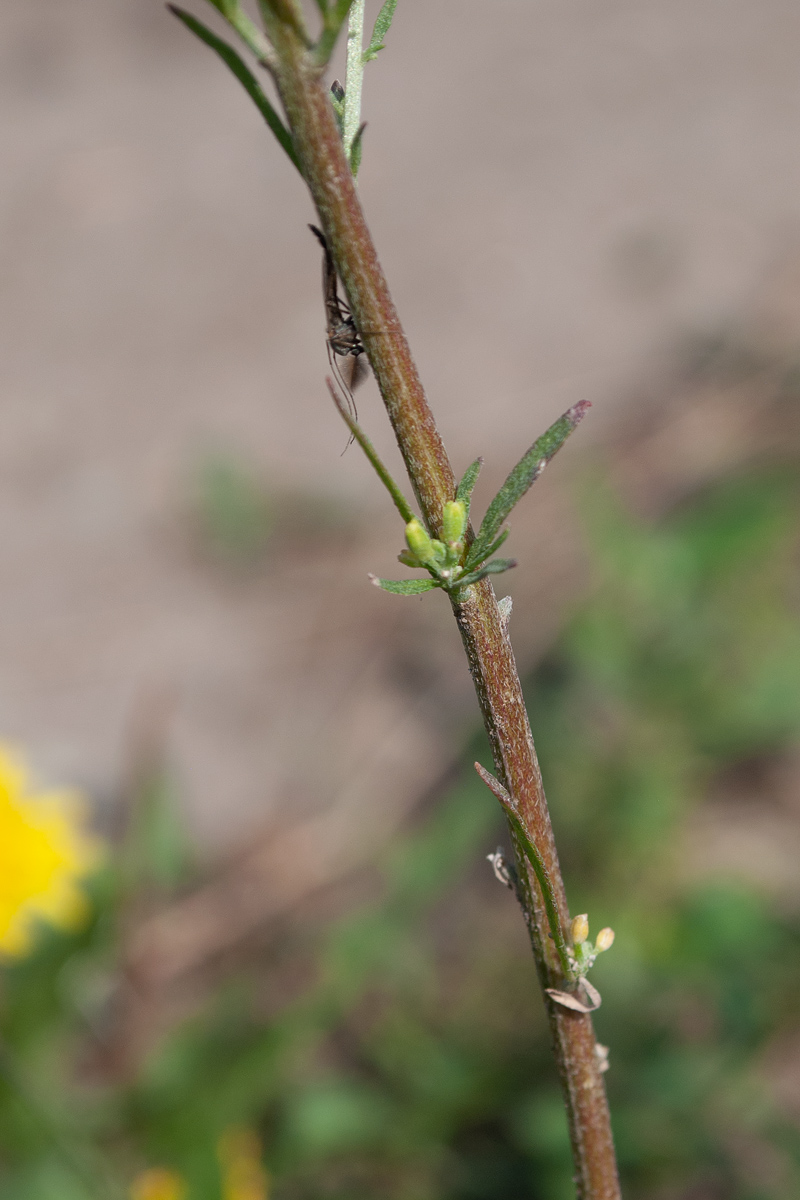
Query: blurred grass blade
{"x":380,"y":29}
{"x":405,"y":587}
{"x":525,"y":473}
{"x":464,"y":489}
{"x":250,"y":34}
{"x":245,"y":77}
{"x":338,"y":14}
{"x":228,"y":8}
{"x":334,"y":19}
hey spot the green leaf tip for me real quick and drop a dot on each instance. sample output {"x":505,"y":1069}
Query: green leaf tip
{"x":355,"y":152}
{"x":468,"y":480}
{"x":404,"y":587}
{"x":243,"y":73}
{"x":381,"y":27}
{"x":523,"y":476}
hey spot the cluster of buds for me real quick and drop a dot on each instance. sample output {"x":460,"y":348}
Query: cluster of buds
{"x":582,"y":952}
{"x":441,"y":558}
{"x":455,"y":560}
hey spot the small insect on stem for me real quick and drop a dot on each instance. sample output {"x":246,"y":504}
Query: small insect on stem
{"x":342,"y":336}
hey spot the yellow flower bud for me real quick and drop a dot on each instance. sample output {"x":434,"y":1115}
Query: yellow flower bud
{"x":580,"y":929}
{"x":605,"y":939}
{"x":454,"y":520}
{"x":418,"y":541}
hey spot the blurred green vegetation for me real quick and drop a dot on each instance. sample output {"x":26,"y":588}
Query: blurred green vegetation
{"x":234,"y":513}
{"x":240,"y":521}
{"x":413,"y":1062}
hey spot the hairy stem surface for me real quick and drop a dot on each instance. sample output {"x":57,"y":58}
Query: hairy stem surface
{"x":491,"y":660}
{"x":354,"y":75}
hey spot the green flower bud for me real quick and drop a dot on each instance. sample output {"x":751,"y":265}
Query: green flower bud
{"x":408,"y":559}
{"x":418,"y":541}
{"x":439,"y":551}
{"x":454,"y":520}
{"x":580,"y":929}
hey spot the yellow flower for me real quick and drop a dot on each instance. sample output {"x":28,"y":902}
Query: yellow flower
{"x":243,"y":1177}
{"x":158,"y":1184}
{"x":45,"y":851}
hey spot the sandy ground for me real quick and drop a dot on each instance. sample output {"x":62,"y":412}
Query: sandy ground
{"x":558,"y":193}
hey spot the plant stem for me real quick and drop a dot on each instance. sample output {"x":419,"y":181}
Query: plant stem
{"x":354,"y":76}
{"x":540,"y":870}
{"x":398,"y":499}
{"x":488,"y":649}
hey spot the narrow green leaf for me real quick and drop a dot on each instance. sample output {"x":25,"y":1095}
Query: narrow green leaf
{"x":340,"y":10}
{"x":495,"y":567}
{"x":400,"y":502}
{"x":228,"y":8}
{"x":464,"y":489}
{"x":536,"y":861}
{"x":355,"y":153}
{"x":472,"y":561}
{"x":525,"y":473}
{"x":250,"y":34}
{"x":405,"y":587}
{"x":380,"y":29}
{"x":545,"y":883}
{"x":245,"y":77}
{"x":335,"y":18}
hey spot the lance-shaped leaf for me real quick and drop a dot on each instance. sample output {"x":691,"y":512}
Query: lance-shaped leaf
{"x":495,"y":567}
{"x":380,"y":30}
{"x":525,"y":473}
{"x":245,"y":77}
{"x":355,"y":150}
{"x":405,"y":587}
{"x":464,"y":489}
{"x":474,"y":560}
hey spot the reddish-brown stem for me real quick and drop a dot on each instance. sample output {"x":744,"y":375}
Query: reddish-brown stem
{"x":489,"y":653}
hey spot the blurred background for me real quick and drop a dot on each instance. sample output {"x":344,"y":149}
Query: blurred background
{"x":300,"y":977}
